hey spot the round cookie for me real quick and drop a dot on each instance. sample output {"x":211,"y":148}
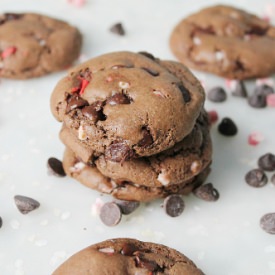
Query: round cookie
{"x":177,"y":170}
{"x":128,"y":256}
{"x":126,"y":105}
{"x":225,"y":41}
{"x":32,"y":45}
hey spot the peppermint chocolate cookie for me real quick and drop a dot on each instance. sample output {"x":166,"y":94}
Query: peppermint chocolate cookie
{"x":225,"y":41}
{"x":128,"y":256}
{"x":32,"y":45}
{"x":126,"y":105}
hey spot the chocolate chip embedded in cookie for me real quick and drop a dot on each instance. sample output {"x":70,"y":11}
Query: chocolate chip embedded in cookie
{"x":32,"y":45}
{"x":125,"y":105}
{"x":128,"y":256}
{"x":225,"y":41}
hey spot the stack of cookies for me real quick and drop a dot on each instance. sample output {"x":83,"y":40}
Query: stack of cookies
{"x":133,"y":126}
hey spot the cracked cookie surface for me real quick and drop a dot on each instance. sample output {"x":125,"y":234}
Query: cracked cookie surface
{"x":32,"y":45}
{"x":177,"y":170}
{"x":125,"y":105}
{"x":128,"y":256}
{"x":225,"y":41}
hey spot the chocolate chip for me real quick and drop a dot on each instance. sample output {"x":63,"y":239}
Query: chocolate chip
{"x":118,"y":99}
{"x":185,"y":93}
{"x":1,"y":222}
{"x":147,"y":138}
{"x":267,"y":223}
{"x":94,"y":112}
{"x":128,"y":249}
{"x":267,"y":162}
{"x":9,"y":16}
{"x":25,"y":204}
{"x":239,"y":89}
{"x":118,"y":29}
{"x":144,"y":263}
{"x":151,"y":71}
{"x":264,"y":90}
{"x":256,"y":178}
{"x":127,"y":207}
{"x":173,"y":205}
{"x":207,"y":192}
{"x":86,"y":74}
{"x":119,"y":151}
{"x":216,"y":94}
{"x":149,"y":55}
{"x":55,"y":166}
{"x":273,"y":179}
{"x":227,"y":127}
{"x":75,"y":101}
{"x":110,"y":214}
{"x":257,"y":101}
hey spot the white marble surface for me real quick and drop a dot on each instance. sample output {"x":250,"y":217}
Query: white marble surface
{"x":223,"y":238}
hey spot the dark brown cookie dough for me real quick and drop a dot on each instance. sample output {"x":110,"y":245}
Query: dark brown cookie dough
{"x":128,"y":256}
{"x":125,"y":105}
{"x":177,"y":170}
{"x":225,"y":41}
{"x":32,"y":45}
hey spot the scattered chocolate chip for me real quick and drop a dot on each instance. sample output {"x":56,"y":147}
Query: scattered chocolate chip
{"x":185,"y":93}
{"x":267,"y":223}
{"x":264,"y":90}
{"x":257,"y":101}
{"x":207,"y":192}
{"x":173,"y":205}
{"x":25,"y":204}
{"x":1,"y":222}
{"x":118,"y":99}
{"x":151,"y":71}
{"x":216,"y":94}
{"x":55,"y":166}
{"x":149,"y":55}
{"x":239,"y":89}
{"x":94,"y":112}
{"x":267,"y":162}
{"x":118,"y":29}
{"x":128,"y":249}
{"x":110,"y":214}
{"x":256,"y":178}
{"x":144,"y":263}
{"x":75,"y":101}
{"x":227,"y":127}
{"x":119,"y":151}
{"x":127,"y":207}
{"x":147,"y":138}
{"x":272,"y":179}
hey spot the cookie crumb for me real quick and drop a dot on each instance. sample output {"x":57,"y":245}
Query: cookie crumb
{"x":118,"y":29}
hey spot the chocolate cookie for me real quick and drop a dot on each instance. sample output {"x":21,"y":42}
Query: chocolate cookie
{"x":125,"y":105}
{"x":128,"y":256}
{"x":177,"y":170}
{"x":32,"y":45}
{"x":225,"y":41}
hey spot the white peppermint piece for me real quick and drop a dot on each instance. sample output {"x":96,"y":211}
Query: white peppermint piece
{"x":123,"y":85}
{"x":196,"y":40}
{"x":219,"y":55}
{"x":163,"y":179}
{"x":82,"y":135}
{"x":79,"y":166}
{"x":108,"y":250}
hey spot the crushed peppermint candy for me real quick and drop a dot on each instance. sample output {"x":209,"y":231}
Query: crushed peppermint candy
{"x":270,"y":100}
{"x":255,"y":138}
{"x":77,"y":3}
{"x":8,"y":52}
{"x":212,"y":116}
{"x":107,"y":250}
{"x":78,"y":167}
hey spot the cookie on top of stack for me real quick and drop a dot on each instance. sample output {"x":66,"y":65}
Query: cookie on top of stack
{"x":134,"y":126}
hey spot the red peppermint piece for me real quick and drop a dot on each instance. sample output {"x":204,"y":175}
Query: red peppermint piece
{"x":255,"y":138}
{"x":8,"y":51}
{"x":77,"y":3}
{"x":213,"y":116}
{"x":270,"y":100}
{"x":75,"y":89}
{"x":84,"y":84}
